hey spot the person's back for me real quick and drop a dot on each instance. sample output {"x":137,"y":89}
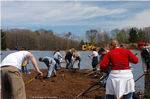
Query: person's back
{"x":15,"y":59}
{"x":120,"y":58}
{"x":120,"y":81}
{"x":57,"y":55}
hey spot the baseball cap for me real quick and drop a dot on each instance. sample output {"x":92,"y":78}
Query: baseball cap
{"x":141,"y":43}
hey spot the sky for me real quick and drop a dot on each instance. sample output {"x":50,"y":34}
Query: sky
{"x":76,"y":16}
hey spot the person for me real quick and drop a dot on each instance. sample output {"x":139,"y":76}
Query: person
{"x":78,"y":58}
{"x":68,"y":58}
{"x":94,"y":61}
{"x":145,"y":55}
{"x":121,"y":46}
{"x":50,"y":63}
{"x":12,"y":82}
{"x":120,"y":81}
{"x":57,"y":56}
{"x":24,"y":67}
{"x":72,"y":61}
{"x":102,"y":52}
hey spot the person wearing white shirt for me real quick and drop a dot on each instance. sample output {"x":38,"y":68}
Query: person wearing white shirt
{"x":58,"y":57}
{"x":12,"y":83}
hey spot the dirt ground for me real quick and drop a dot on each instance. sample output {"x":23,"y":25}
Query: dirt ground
{"x":66,"y":85}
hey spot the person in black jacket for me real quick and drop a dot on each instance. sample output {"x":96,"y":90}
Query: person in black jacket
{"x":68,"y":58}
{"x":145,"y":54}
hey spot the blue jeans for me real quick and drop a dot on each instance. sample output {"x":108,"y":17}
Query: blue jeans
{"x":79,"y":65}
{"x":128,"y":96}
{"x":67,"y":64}
{"x":26,"y":69}
{"x":58,"y":63}
{"x":105,"y":79}
{"x":72,"y":64}
{"x":51,"y":69}
{"x":95,"y":70}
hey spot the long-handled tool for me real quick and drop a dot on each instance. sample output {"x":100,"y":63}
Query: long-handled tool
{"x":32,"y":79}
{"x":139,"y":77}
{"x":87,"y":90}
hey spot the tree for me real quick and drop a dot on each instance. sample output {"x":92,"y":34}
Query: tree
{"x":3,"y":40}
{"x":141,"y":35}
{"x":39,"y":40}
{"x":81,"y":43}
{"x":122,"y":36}
{"x":147,"y":34}
{"x":133,"y":35}
{"x":114,"y":33}
{"x":91,"y":35}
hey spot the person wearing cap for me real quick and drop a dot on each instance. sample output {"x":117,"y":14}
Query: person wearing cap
{"x":120,"y":81}
{"x":12,"y":83}
{"x":145,"y":55}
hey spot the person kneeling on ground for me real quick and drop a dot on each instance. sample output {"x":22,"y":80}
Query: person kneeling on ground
{"x":50,"y":63}
{"x":12,"y":83}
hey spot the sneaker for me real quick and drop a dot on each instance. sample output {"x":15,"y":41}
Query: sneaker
{"x":28,"y":73}
{"x":46,"y":77}
{"x":54,"y":76}
{"x":95,"y":75}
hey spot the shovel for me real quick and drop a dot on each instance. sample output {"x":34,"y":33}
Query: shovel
{"x":32,"y":79}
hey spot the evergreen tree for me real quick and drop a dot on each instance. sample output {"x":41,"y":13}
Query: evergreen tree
{"x":141,"y":35}
{"x":133,"y":36}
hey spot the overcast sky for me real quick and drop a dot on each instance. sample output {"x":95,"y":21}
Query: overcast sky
{"x":74,"y":16}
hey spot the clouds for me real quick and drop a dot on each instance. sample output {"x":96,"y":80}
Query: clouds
{"x":51,"y":13}
{"x":140,"y":20}
{"x":74,"y":15}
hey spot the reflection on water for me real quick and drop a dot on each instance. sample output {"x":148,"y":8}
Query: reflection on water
{"x":86,"y":63}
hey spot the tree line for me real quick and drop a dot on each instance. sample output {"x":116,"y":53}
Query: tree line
{"x":125,"y":36}
{"x":36,"y":40}
{"x":47,"y":40}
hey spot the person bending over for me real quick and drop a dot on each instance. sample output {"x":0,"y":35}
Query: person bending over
{"x":12,"y":82}
{"x":50,"y":63}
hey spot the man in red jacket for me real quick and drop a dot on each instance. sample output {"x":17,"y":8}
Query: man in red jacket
{"x":120,"y":82}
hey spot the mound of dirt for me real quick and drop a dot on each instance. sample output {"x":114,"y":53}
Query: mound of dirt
{"x":66,"y":85}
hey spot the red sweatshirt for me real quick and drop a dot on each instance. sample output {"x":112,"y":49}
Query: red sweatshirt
{"x":119,"y":59}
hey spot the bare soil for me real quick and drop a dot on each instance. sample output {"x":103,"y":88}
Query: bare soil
{"x":66,"y":85}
